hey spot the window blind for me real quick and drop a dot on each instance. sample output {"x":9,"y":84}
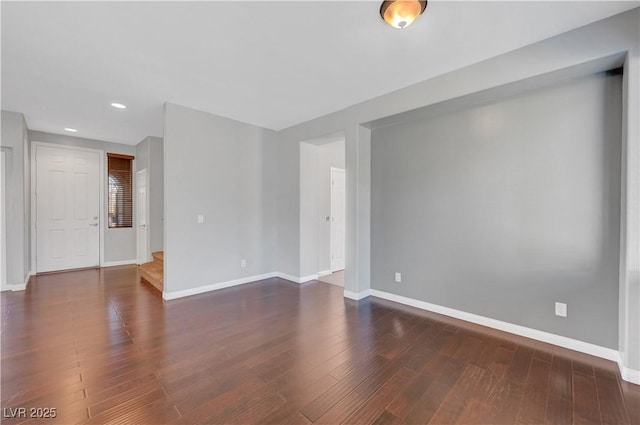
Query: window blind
{"x":120,"y":199}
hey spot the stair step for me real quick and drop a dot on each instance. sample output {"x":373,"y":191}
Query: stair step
{"x":153,"y":274}
{"x":158,"y":256}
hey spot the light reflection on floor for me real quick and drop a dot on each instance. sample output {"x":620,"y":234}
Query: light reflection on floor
{"x":336,"y":278}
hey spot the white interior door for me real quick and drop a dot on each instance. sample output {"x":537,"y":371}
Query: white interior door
{"x":142,"y":217}
{"x":67,"y":208}
{"x":337,"y":219}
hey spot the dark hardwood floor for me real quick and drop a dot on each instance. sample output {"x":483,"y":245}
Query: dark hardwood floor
{"x":100,"y":347}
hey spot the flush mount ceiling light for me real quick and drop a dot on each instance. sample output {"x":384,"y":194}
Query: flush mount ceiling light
{"x":401,"y":13}
{"x":119,"y":105}
{"x":70,"y":130}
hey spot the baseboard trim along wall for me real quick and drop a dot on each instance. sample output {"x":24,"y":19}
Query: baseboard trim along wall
{"x":324,"y":273}
{"x":288,"y":277}
{"x":22,"y":286}
{"x":296,"y":279}
{"x":357,"y":295}
{"x":561,"y":341}
{"x":119,"y":263}
{"x":629,"y":375}
{"x":215,"y":286}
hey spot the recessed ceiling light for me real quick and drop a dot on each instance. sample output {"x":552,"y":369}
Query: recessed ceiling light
{"x":71,"y":130}
{"x":119,"y":105}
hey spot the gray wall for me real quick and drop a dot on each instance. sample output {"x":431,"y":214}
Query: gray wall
{"x":309,"y":216}
{"x":149,"y":155}
{"x":14,"y":143}
{"x":503,"y":209}
{"x":225,"y":170}
{"x":119,"y":244}
{"x":143,"y":161}
{"x":572,"y":53}
{"x":156,"y":194}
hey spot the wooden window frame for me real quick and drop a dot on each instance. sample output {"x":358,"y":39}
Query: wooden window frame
{"x":119,"y":205}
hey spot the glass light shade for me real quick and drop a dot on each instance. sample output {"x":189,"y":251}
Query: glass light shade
{"x":401,"y":13}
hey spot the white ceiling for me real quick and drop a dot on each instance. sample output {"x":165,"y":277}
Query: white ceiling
{"x":272,"y":64}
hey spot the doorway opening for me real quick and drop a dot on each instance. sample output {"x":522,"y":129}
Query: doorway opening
{"x":322,"y":209}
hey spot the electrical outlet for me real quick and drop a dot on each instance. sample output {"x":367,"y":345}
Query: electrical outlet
{"x":398,"y":277}
{"x":561,"y":309}
{"x":243,"y":263}
{"x":200,"y":218}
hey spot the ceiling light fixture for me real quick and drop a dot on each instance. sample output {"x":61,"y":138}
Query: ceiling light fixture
{"x":119,"y":105}
{"x":71,"y":130}
{"x":401,"y":13}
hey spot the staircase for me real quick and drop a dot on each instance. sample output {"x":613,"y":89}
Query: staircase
{"x":153,"y":272}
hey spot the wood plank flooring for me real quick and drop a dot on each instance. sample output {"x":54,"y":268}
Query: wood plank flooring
{"x":101,"y":348}
{"x":335,"y":278}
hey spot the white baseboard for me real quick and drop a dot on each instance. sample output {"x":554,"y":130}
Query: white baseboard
{"x":22,"y":286}
{"x":629,"y":375}
{"x":294,"y":278}
{"x":324,"y":273}
{"x":562,"y":341}
{"x":357,"y":295}
{"x":215,"y":286}
{"x":287,"y":277}
{"x":119,"y":263}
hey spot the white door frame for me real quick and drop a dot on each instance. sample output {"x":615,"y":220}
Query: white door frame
{"x":344,"y":245}
{"x":147,"y":242}
{"x":102,"y":171}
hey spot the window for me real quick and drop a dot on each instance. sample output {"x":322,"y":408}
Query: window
{"x":120,"y":202}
